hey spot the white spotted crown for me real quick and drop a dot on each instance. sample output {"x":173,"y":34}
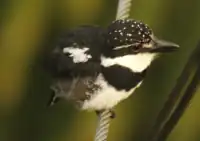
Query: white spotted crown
{"x":128,"y":31}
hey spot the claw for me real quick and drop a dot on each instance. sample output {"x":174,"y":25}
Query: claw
{"x":113,"y":114}
{"x":55,"y":97}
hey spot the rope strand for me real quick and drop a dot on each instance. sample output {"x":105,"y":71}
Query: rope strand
{"x":103,"y":125}
{"x":123,"y":11}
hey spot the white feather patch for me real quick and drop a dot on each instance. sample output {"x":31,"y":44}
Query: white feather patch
{"x":107,"y":97}
{"x":124,"y":46}
{"x":135,"y":62}
{"x":78,"y":54}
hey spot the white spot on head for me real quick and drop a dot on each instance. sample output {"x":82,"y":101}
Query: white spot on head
{"x":135,"y":62}
{"x":124,"y":46}
{"x":78,"y":54}
{"x":129,"y":34}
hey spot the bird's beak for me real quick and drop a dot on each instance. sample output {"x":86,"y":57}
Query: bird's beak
{"x":161,"y":46}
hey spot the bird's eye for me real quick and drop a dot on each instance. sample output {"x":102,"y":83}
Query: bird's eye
{"x":137,"y":47}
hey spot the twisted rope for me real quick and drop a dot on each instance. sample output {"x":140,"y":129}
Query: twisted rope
{"x":103,"y":125}
{"x":123,"y":11}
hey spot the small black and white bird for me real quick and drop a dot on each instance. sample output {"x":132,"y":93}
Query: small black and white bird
{"x":99,"y":67}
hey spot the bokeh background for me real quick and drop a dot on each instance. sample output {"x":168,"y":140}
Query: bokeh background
{"x":28,"y":29}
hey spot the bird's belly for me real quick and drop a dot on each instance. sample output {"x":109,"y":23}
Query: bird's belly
{"x":107,"y":97}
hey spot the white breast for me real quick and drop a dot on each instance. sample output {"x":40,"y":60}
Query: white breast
{"x":107,"y":97}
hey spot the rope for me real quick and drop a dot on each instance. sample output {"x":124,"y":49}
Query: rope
{"x":123,"y":10}
{"x":102,"y":130}
{"x":103,"y":125}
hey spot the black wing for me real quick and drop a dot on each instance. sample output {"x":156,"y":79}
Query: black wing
{"x":66,"y":70}
{"x":61,"y":64}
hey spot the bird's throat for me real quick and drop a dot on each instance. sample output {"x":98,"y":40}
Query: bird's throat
{"x":135,"y":62}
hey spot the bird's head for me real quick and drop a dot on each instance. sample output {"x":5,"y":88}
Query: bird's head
{"x":133,"y":41}
{"x":136,"y":37}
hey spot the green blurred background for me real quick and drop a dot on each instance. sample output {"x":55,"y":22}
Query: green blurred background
{"x":27,"y":30}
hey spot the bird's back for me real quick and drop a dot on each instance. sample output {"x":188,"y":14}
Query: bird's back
{"x":75,"y":62}
{"x":77,"y":52}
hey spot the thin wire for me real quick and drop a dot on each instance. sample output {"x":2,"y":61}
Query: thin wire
{"x":181,"y":108}
{"x":123,"y":11}
{"x":177,"y":102}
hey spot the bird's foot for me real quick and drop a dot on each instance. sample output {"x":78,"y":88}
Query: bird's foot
{"x":113,"y":114}
{"x":56,"y":96}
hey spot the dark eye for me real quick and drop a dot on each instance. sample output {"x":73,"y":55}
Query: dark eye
{"x":136,"y":48}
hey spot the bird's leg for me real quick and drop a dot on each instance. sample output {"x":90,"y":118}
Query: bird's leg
{"x":113,"y":114}
{"x":98,"y":112}
{"x":59,"y":91}
{"x":55,"y":96}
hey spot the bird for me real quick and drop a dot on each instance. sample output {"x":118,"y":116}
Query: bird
{"x":98,"y":67}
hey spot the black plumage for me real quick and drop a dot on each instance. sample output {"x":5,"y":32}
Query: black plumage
{"x":75,"y":81}
{"x":90,"y":61}
{"x":67,"y":73}
{"x":127,"y":36}
{"x":60,"y":64}
{"x":122,"y":78}
{"x":127,"y":32}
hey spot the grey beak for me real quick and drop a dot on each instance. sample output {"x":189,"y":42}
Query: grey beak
{"x":163,"y":46}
